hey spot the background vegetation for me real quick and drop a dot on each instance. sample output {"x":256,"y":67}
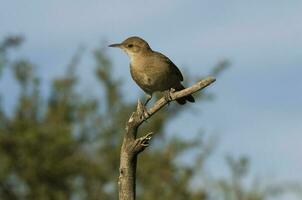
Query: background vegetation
{"x":65,"y":145}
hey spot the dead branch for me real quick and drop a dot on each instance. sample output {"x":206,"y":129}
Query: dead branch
{"x":132,"y":145}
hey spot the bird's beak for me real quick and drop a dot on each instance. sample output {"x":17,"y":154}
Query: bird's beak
{"x":115,"y":45}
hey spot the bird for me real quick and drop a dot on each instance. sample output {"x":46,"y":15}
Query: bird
{"x":152,"y":71}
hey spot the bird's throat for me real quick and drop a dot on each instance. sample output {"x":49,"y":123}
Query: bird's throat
{"x":133,"y":58}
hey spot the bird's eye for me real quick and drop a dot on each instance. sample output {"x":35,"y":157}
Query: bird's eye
{"x":130,"y":45}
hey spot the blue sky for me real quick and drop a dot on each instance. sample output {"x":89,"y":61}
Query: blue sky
{"x":258,"y":109}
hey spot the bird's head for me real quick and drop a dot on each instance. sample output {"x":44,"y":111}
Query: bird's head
{"x":133,"y":46}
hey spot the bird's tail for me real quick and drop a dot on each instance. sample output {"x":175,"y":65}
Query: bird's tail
{"x":184,"y":99}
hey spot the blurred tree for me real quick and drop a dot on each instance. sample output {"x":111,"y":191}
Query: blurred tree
{"x":66,"y":145}
{"x":236,"y":188}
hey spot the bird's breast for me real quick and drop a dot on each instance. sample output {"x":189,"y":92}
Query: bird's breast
{"x":141,"y":77}
{"x":151,"y":77}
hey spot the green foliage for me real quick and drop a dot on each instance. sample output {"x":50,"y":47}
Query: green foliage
{"x":66,"y":145}
{"x":5,"y":45}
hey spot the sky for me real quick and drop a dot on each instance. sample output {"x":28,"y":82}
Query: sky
{"x":257,"y":111}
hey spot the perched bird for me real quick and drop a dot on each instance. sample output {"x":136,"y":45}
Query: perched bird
{"x":151,"y":70}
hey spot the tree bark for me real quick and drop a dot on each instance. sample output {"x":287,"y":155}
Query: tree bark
{"x":132,"y":145}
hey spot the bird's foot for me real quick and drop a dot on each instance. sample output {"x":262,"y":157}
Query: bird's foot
{"x":167,"y":94}
{"x":142,"y":111}
{"x":145,"y":113}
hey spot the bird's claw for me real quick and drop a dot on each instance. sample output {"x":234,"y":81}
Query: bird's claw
{"x":144,"y":115}
{"x":167,"y":95}
{"x":142,"y":111}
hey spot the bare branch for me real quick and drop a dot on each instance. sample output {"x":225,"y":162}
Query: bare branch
{"x":132,"y":145}
{"x":179,"y":94}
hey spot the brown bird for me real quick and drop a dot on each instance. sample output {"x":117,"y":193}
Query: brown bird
{"x":151,"y":70}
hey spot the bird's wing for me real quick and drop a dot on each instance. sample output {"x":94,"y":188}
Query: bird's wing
{"x":172,"y":66}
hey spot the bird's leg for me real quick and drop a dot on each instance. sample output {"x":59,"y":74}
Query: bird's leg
{"x":146,"y":114}
{"x":167,"y":94}
{"x":149,"y":97}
